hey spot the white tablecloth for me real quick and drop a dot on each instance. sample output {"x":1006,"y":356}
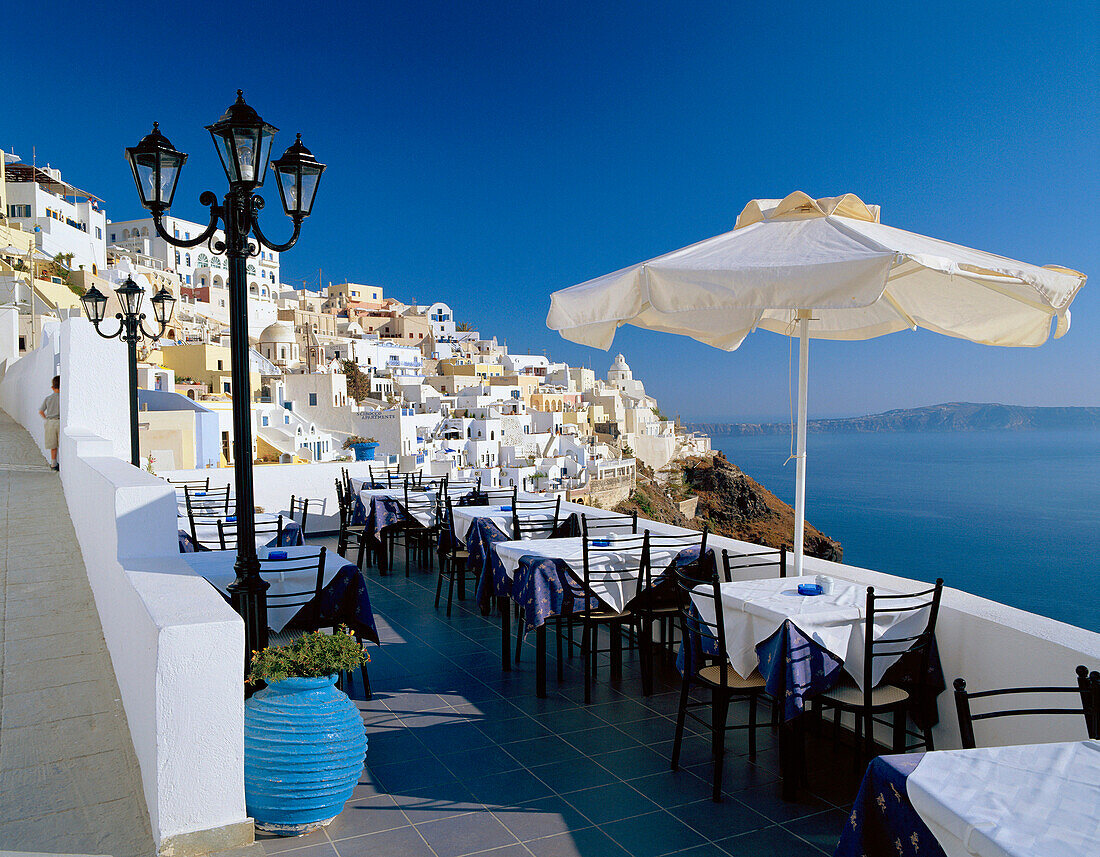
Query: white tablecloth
{"x":603,"y":564}
{"x":207,"y":531}
{"x":465,"y":515}
{"x":754,"y":610}
{"x":217,"y":567}
{"x":1037,"y":800}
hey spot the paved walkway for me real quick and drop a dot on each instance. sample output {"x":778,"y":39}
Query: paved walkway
{"x":69,"y":779}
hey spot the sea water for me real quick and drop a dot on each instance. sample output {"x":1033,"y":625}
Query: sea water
{"x":1010,"y":516}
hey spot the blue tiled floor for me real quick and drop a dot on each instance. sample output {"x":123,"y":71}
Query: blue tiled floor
{"x":464,"y":759}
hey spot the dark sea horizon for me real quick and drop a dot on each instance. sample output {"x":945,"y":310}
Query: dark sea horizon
{"x":1009,"y":516}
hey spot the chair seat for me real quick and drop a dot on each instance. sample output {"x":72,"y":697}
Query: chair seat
{"x":459,"y":554}
{"x":847,"y":694}
{"x":713,"y":675}
{"x":605,"y":616}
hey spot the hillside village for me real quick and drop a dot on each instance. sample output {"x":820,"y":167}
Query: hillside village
{"x":330,"y":367}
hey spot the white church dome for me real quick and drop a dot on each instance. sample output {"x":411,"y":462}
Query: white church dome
{"x":279,"y":332}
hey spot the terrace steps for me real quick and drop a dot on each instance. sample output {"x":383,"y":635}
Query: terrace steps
{"x":69,"y":778}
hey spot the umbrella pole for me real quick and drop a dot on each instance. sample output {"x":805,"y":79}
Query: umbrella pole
{"x":800,"y":449}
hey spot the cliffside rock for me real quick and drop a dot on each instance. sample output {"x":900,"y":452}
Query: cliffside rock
{"x":732,"y":504}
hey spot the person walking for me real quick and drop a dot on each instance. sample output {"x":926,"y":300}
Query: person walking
{"x":51,"y":413}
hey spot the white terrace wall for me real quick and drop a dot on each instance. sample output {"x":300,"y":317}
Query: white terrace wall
{"x":176,"y":647}
{"x":26,"y":383}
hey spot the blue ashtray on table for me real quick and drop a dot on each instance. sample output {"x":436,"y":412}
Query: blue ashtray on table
{"x":231,"y":519}
{"x":506,"y":508}
{"x":601,"y":543}
{"x":276,"y":554}
{"x":810,"y":589}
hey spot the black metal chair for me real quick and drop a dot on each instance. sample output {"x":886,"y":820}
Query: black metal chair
{"x":1086,"y":693}
{"x":458,"y":489}
{"x":299,"y":510}
{"x":886,"y":698}
{"x":306,"y":620}
{"x":593,"y":612}
{"x":497,"y":496}
{"x":613,"y":525}
{"x":213,"y":501}
{"x":713,"y":673}
{"x":453,"y":560}
{"x":181,"y":486}
{"x":534,"y":519}
{"x":386,"y":477}
{"x":657,"y":604}
{"x":204,"y":530}
{"x":227,"y":533}
{"x":349,"y":530}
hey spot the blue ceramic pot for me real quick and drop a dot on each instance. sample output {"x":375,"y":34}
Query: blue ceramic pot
{"x":304,"y":746}
{"x":364,"y":451}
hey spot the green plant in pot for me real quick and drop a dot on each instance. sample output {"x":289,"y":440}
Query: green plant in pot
{"x":304,"y":740}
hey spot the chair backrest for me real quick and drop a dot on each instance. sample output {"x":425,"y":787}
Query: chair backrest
{"x":204,"y":529}
{"x":526,"y":527}
{"x":346,"y":476}
{"x":755,"y":564}
{"x":459,"y":488}
{"x":616,"y":524}
{"x":628,"y":555}
{"x":344,"y":504}
{"x":498,"y":496}
{"x":387,"y":477}
{"x":919,"y":643}
{"x":181,"y":486}
{"x":314,"y":560}
{"x":299,"y":510}
{"x":674,"y":541}
{"x":207,"y":501}
{"x":1084,"y":699}
{"x":227,"y":533}
{"x":705,"y":639}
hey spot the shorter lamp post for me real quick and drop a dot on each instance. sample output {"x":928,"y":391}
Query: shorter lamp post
{"x":131,"y":330}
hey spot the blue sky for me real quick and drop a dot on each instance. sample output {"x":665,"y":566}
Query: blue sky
{"x":487,"y":154}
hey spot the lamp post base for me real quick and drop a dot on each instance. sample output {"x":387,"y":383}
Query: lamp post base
{"x":248,"y":596}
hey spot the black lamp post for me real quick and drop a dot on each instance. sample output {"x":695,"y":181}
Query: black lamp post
{"x":131,"y":330}
{"x":243,"y":142}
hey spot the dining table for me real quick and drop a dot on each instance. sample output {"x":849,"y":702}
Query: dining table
{"x":1012,"y":801}
{"x":545,"y":577}
{"x":803,"y":644}
{"x":344,"y":596}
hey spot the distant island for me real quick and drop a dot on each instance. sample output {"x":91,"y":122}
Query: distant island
{"x":951,"y":416}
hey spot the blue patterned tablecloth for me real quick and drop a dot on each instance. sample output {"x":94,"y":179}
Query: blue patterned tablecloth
{"x":547,"y":587}
{"x":292,"y":535}
{"x":882,"y":820}
{"x":492,"y":581}
{"x":345,"y":601}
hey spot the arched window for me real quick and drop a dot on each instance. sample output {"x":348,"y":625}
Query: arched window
{"x":252,"y":269}
{"x":187,"y":260}
{"x":203,"y":260}
{"x":144,"y":230}
{"x":125,"y":234}
{"x":283,"y":351}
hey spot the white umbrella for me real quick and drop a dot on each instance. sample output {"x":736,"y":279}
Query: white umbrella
{"x":831,"y":270}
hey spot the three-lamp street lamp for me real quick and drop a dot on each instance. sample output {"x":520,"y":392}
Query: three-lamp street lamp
{"x":131,"y":330}
{"x":243,"y":142}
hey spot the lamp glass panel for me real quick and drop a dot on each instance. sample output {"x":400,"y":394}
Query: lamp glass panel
{"x":311,"y":177}
{"x":130,"y":299}
{"x":288,"y":190}
{"x":265,"y":140}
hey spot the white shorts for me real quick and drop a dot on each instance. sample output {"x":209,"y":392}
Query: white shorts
{"x":53,"y":433}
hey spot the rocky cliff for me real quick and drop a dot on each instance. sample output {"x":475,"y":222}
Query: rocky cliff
{"x":731,"y":503}
{"x":950,"y":416}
